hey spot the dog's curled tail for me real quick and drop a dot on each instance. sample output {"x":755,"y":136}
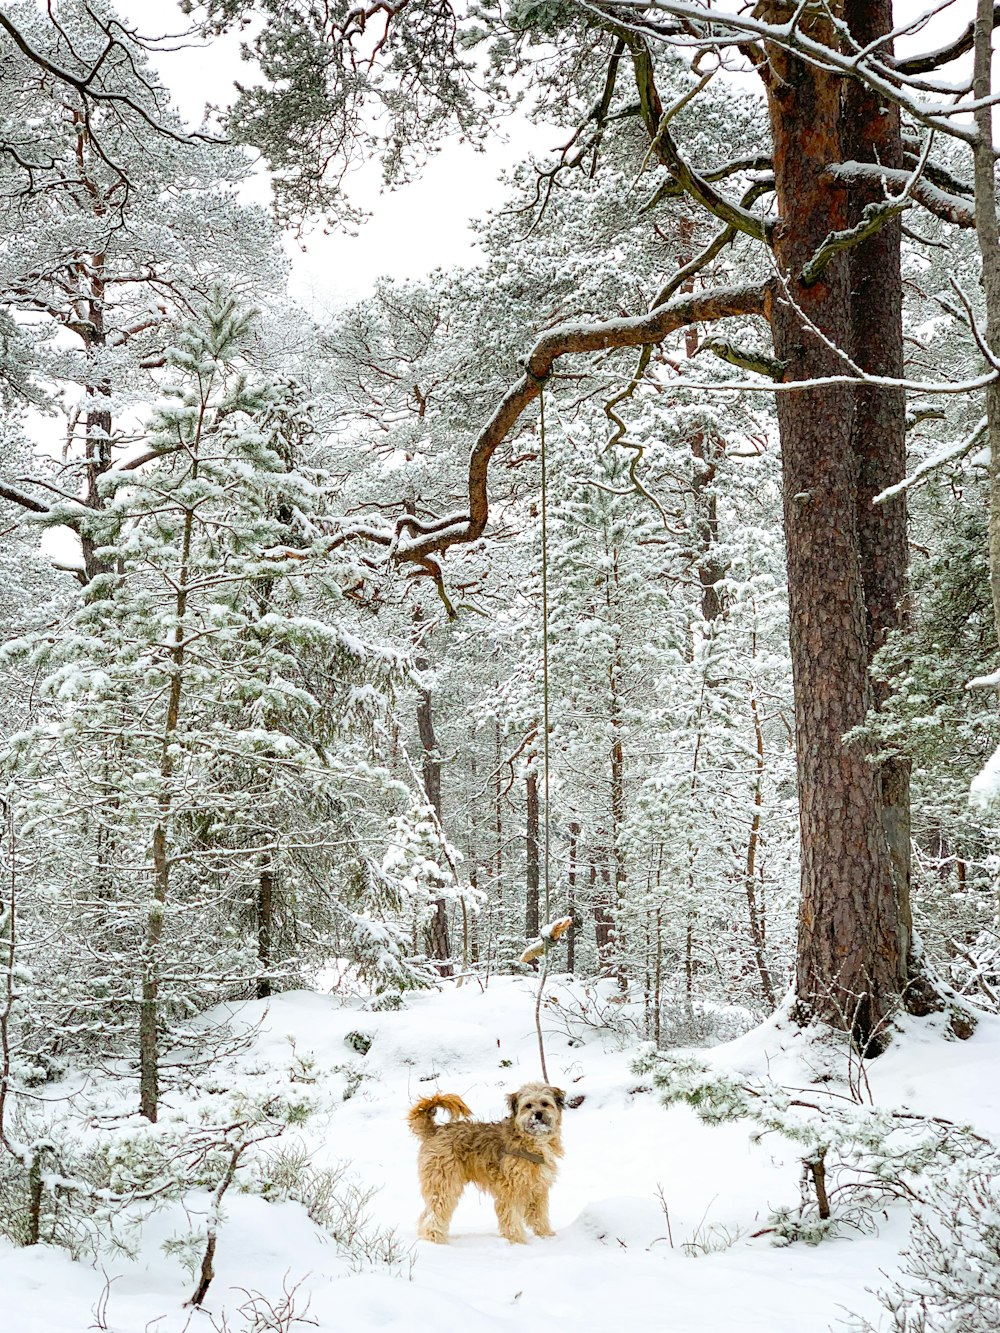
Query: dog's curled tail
{"x":421,"y":1117}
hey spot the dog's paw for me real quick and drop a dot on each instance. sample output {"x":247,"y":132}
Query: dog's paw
{"x":435,"y":1237}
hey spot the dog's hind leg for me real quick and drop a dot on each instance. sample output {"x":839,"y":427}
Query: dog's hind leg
{"x":441,"y":1199}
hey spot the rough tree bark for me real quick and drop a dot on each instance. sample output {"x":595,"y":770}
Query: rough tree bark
{"x":851,"y":965}
{"x":872,"y":134}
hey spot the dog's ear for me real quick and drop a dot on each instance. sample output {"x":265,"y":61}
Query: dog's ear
{"x":512,"y":1102}
{"x":560,"y":1097}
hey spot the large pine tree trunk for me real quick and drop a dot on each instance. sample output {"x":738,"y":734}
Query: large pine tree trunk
{"x":850,"y":960}
{"x":872,"y":134}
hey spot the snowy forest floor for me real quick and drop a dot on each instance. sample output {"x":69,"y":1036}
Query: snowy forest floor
{"x":611,"y":1264}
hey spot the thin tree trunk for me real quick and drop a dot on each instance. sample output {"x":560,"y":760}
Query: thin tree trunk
{"x":532,"y":923}
{"x":658,"y":977}
{"x":574,"y":836}
{"x":470,"y":939}
{"x":149,"y":1039}
{"x":756,"y":929}
{"x":988,"y":236}
{"x":602,"y":917}
{"x":473,"y":933}
{"x":704,"y":458}
{"x":206,"y":1270}
{"x":617,"y":767}
{"x":440,"y":944}
{"x":36,"y":1189}
{"x":498,"y":810}
{"x":91,"y":280}
{"x":265,"y":927}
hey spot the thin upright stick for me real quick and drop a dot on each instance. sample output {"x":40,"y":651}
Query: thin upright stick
{"x":545,"y":726}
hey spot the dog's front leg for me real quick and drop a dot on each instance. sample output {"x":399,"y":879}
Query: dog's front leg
{"x":537,"y":1214}
{"x":510,"y":1222}
{"x":430,"y":1227}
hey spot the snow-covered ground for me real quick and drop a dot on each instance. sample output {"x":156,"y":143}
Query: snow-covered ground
{"x":614,"y":1262}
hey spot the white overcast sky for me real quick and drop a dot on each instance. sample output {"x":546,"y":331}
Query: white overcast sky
{"x":411,"y":231}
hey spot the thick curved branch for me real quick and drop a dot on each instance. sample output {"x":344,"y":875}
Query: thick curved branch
{"x":672,"y":189}
{"x":662,"y":145}
{"x":702,"y":307}
{"x":733,"y":214}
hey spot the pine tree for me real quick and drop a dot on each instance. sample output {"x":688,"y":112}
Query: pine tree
{"x":209,"y":735}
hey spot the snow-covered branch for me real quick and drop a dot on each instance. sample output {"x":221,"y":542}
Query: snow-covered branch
{"x":940,"y":202}
{"x":710,"y":30}
{"x":568,"y":339}
{"x":948,"y":453}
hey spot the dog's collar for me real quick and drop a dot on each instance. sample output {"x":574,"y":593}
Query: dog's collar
{"x":528,"y":1156}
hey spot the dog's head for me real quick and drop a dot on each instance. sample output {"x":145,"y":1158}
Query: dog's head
{"x":536,"y":1109}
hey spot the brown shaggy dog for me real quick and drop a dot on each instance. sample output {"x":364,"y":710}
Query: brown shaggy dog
{"x":513,"y":1159}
